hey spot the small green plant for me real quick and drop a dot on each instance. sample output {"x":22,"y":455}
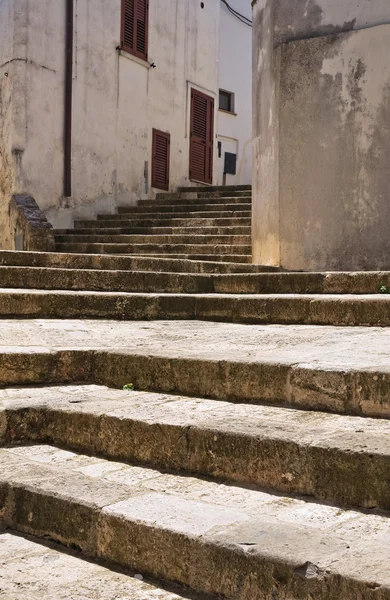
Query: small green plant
{"x":129,"y":387}
{"x":383,"y":289}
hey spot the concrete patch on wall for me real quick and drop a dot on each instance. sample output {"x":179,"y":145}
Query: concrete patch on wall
{"x":334,"y":140}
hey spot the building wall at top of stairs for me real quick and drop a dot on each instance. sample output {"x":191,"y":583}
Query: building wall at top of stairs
{"x":117,"y":100}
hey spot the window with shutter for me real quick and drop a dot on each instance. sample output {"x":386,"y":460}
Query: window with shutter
{"x":201,"y":137}
{"x":160,"y":159}
{"x":134,"y":28}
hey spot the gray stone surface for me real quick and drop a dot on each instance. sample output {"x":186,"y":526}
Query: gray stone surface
{"x":191,"y":523}
{"x":34,"y":571}
{"x":345,"y":460}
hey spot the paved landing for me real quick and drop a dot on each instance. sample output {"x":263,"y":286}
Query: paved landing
{"x":316,"y":346}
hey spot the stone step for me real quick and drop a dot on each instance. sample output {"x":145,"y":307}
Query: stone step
{"x":225,"y":541}
{"x":127,"y":263}
{"x":338,"y":459}
{"x":209,"y":231}
{"x":344,"y":291}
{"x":171,"y":239}
{"x":306,"y":367}
{"x":155,"y":217}
{"x":230,"y":258}
{"x":215,"y":188}
{"x":185,"y":208}
{"x":154,"y":249}
{"x":190,"y":199}
{"x":120,"y":221}
{"x":145,"y":303}
{"x":45,"y":571}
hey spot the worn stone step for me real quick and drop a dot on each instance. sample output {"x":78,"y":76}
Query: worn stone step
{"x":338,"y":459}
{"x":153,"y":248}
{"x":340,"y":289}
{"x":191,"y":199}
{"x":146,"y":303}
{"x":230,"y":258}
{"x":235,"y":543}
{"x":119,"y":221}
{"x":309,"y":367}
{"x":209,"y":231}
{"x":128,"y":263}
{"x":33,"y":571}
{"x":215,"y":188}
{"x":185,"y":208}
{"x":193,"y":214}
{"x":171,"y":239}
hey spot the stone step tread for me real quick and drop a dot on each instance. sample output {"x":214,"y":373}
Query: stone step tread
{"x":158,"y":216}
{"x":303,"y":366}
{"x":208,"y":230}
{"x":140,"y":299}
{"x":166,"y":208}
{"x":129,"y":263}
{"x":171,"y":239}
{"x":163,"y":248}
{"x":339,"y":459}
{"x":191,"y":524}
{"x":46,"y":571}
{"x":192,"y":255}
{"x":119,"y":221}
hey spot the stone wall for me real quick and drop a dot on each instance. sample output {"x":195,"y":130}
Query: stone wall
{"x":322,"y":134}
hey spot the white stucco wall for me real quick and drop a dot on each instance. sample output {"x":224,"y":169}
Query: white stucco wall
{"x":235,"y":75}
{"x":117,"y":100}
{"x":321,"y":134}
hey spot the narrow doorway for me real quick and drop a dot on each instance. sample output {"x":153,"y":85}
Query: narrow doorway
{"x":201,"y":137}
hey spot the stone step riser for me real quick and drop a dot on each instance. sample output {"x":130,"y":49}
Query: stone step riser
{"x":351,"y":292}
{"x":260,"y":457}
{"x":228,"y":258}
{"x":201,"y":546}
{"x":209,"y":231}
{"x":173,"y":240}
{"x":359,"y":392}
{"x":214,"y":188}
{"x":233,"y":309}
{"x":127,"y":263}
{"x":189,"y":200}
{"x":155,"y":217}
{"x":158,"y":249}
{"x":183,"y":208}
{"x":191,"y":196}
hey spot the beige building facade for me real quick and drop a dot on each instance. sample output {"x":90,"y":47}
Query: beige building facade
{"x":321,"y":174}
{"x":119,"y":96}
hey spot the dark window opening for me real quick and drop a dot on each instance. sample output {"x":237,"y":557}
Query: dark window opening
{"x":226,"y":101}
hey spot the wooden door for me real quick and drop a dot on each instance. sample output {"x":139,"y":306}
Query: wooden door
{"x":201,"y":137}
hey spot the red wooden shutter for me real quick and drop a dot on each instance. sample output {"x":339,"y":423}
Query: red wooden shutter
{"x":135,"y":21}
{"x":160,"y":159}
{"x":201,"y":137}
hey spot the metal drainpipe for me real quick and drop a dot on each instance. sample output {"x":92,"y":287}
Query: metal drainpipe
{"x":68,"y":99}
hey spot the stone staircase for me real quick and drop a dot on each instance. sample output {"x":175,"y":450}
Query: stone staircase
{"x":206,"y":224}
{"x":216,"y":429}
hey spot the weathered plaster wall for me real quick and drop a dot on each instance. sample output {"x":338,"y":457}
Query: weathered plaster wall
{"x":235,"y":75}
{"x":328,"y":202}
{"x":117,"y":101}
{"x":6,"y":120}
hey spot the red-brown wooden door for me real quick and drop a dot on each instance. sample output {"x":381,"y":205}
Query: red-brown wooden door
{"x":201,"y":137}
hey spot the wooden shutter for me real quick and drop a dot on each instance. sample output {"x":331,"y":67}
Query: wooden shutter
{"x":201,"y":137}
{"x":160,"y":159}
{"x":135,"y":24}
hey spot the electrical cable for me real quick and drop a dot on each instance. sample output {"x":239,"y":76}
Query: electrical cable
{"x":236,"y":14}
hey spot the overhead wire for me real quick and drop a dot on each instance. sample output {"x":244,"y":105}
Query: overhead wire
{"x":236,"y":14}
